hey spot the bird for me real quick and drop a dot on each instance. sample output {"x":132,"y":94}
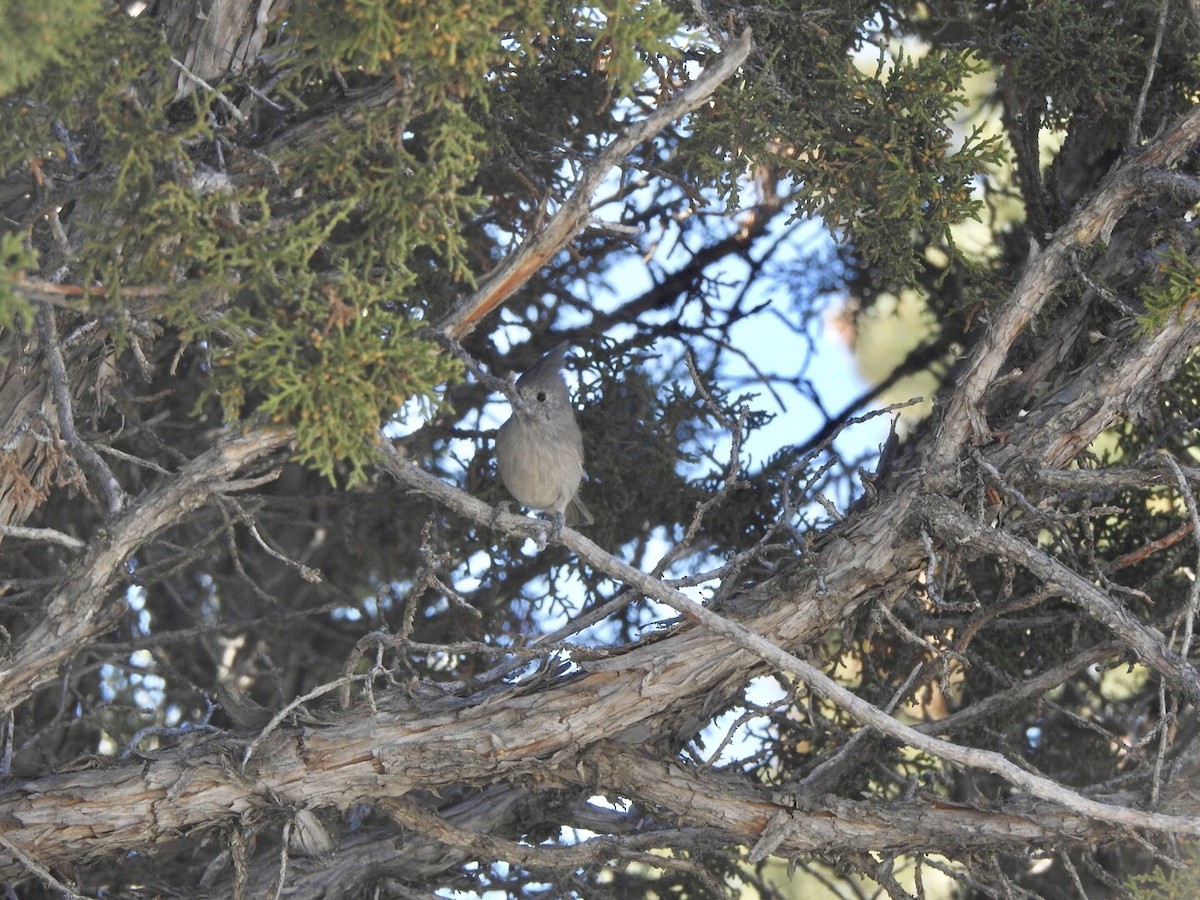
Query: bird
{"x":539,"y":450}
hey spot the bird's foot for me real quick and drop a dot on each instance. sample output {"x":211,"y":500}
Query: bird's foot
{"x":549,"y":534}
{"x":502,"y":507}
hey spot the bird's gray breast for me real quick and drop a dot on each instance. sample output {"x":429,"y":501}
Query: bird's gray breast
{"x":540,"y":462}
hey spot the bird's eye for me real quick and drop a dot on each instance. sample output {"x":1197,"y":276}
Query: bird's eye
{"x":541,"y":396}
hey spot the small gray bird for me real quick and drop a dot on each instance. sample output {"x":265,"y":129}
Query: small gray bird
{"x":539,"y":450}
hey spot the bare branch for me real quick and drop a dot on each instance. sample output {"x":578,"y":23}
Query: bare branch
{"x":88,"y":458}
{"x":575,"y":212}
{"x":589,"y":852}
{"x":36,"y":868}
{"x":225,"y":101}
{"x":955,"y":526}
{"x":1135,"y":123}
{"x":1189,"y":499}
{"x":963,"y":420}
{"x":49,"y":535}
{"x":81,"y":607}
{"x":817,"y":681}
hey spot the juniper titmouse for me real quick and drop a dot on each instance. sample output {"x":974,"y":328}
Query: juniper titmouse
{"x":539,"y":450}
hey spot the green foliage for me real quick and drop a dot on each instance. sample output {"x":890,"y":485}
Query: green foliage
{"x":1072,"y":51}
{"x":351,"y":369}
{"x":627,"y":34}
{"x":387,"y":199}
{"x":332,"y":359}
{"x":382,"y":206}
{"x":38,"y":34}
{"x":1171,"y":296}
{"x":278,"y":265}
{"x":893,"y":172}
{"x":1168,"y":884}
{"x":886,"y":169}
{"x":100,"y":89}
{"x":439,"y":48}
{"x":1072,"y":60}
{"x":15,"y":261}
{"x":243,"y":276}
{"x":450,"y":49}
{"x":410,"y":202}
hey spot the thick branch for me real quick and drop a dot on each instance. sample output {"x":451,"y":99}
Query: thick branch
{"x":715,"y":800}
{"x":963,"y":419}
{"x":454,"y":741}
{"x":1121,"y":382}
{"x":590,"y":852}
{"x":82,"y":606}
{"x":748,"y":640}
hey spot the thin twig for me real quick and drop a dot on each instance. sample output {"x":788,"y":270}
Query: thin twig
{"x":6,"y":756}
{"x":36,"y":868}
{"x":225,"y":101}
{"x":574,"y":213}
{"x":506,"y":386}
{"x":1017,"y":695}
{"x":308,"y":573}
{"x":956,"y":527}
{"x":88,"y":458}
{"x":931,"y":569}
{"x":319,"y":691}
{"x":264,"y":98}
{"x":1135,"y":124}
{"x":130,"y":458}
{"x":1101,"y":291}
{"x":1014,"y":494}
{"x":555,"y":858}
{"x":1164,"y":739}
{"x":1065,"y":859}
{"x":184,"y":730}
{"x":281,"y":878}
{"x":1189,"y":499}
{"x":597,"y":224}
{"x":912,"y":637}
{"x":587,"y":618}
{"x":49,"y":535}
{"x":729,"y":483}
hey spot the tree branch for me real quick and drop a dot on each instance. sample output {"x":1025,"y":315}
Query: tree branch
{"x":716,"y":800}
{"x":963,"y":419}
{"x":590,"y":852}
{"x":817,"y":681}
{"x":575,"y":212}
{"x":81,"y":608}
{"x":88,"y":458}
{"x":955,"y":527}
